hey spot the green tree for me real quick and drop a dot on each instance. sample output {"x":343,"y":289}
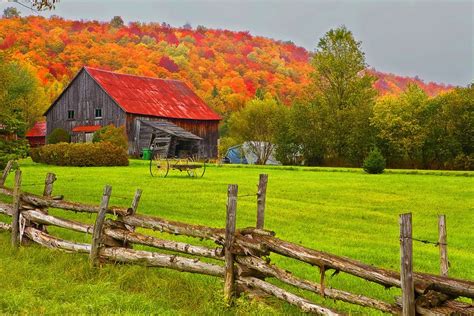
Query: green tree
{"x":450,"y":130}
{"x":22,"y":99}
{"x":116,"y":22}
{"x":257,"y":124}
{"x":401,"y":125}
{"x":375,"y":162}
{"x":11,"y":12}
{"x":346,"y":93}
{"x":302,"y":134}
{"x":21,"y":103}
{"x":215,"y":92}
{"x":287,"y":149}
{"x":260,"y":93}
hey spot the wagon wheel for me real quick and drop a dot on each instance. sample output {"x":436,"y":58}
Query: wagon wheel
{"x":196,"y":172}
{"x":203,"y":170}
{"x":159,"y":166}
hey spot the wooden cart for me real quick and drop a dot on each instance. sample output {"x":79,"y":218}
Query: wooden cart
{"x":188,"y":161}
{"x":160,"y":167}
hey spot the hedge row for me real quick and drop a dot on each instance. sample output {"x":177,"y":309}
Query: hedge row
{"x":80,"y":154}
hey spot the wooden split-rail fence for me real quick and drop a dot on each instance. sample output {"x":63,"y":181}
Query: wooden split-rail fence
{"x":241,"y":256}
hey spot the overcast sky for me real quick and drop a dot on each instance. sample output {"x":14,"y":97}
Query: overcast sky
{"x":431,"y":39}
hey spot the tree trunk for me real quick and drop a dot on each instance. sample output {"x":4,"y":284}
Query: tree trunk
{"x":285,"y":276}
{"x":6,"y":209}
{"x":42,"y":202}
{"x":53,"y":242}
{"x":137,"y":238}
{"x":243,"y":244}
{"x":291,"y":298}
{"x":154,"y":259}
{"x":41,"y":218}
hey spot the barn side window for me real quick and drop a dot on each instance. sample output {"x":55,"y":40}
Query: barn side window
{"x":98,"y":113}
{"x":70,"y":114}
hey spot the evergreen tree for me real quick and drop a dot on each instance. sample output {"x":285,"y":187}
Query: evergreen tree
{"x":116,"y":22}
{"x":11,"y":12}
{"x":260,"y":93}
{"x":214,"y":92}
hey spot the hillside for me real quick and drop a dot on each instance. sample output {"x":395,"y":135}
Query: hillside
{"x":225,"y":68}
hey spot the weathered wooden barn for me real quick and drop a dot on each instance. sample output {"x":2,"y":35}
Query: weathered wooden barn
{"x":98,"y":97}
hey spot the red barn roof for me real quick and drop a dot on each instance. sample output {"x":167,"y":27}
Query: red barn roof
{"x":153,"y":96}
{"x":38,"y":130}
{"x":86,"y":128}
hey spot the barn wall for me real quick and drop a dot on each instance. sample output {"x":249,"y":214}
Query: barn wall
{"x":207,"y":130}
{"x":83,"y":96}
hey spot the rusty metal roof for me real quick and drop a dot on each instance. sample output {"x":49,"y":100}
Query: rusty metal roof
{"x":153,"y":96}
{"x":38,"y":130}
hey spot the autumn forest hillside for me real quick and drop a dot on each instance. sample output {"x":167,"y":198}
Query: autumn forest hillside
{"x":225,"y":68}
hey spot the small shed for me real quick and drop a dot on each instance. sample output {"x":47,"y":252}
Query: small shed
{"x":36,"y":135}
{"x":167,"y":139}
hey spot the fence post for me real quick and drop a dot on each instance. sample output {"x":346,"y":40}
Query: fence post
{"x":5,"y":173}
{"x":229,"y":281}
{"x":133,"y":208}
{"x":261,"y":197}
{"x":136,"y":200}
{"x":16,"y":210}
{"x":406,"y":260}
{"x":99,"y":223}
{"x":48,"y":184}
{"x":443,"y":245}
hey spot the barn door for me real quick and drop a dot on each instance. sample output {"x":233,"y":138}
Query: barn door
{"x":160,"y":145}
{"x":89,"y":137}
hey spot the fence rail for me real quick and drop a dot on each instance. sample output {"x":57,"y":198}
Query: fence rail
{"x":240,"y":256}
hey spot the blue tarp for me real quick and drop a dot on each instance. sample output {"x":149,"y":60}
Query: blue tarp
{"x":236,"y":155}
{"x":241,"y":154}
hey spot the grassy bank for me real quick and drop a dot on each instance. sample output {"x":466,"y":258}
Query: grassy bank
{"x":346,"y":213}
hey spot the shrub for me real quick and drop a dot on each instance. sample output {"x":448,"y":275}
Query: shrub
{"x":464,"y":162}
{"x":59,"y":135}
{"x":12,"y":150}
{"x":375,"y":162}
{"x":114,"y":135}
{"x":80,"y":154}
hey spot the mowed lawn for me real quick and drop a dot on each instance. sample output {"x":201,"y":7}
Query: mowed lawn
{"x":342,"y":211}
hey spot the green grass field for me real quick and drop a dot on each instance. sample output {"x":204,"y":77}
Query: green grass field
{"x":342,"y":211}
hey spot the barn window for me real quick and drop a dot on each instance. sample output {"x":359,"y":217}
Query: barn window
{"x":70,"y":114}
{"x":98,"y":113}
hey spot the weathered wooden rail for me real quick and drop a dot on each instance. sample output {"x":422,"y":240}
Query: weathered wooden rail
{"x":240,"y":256}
